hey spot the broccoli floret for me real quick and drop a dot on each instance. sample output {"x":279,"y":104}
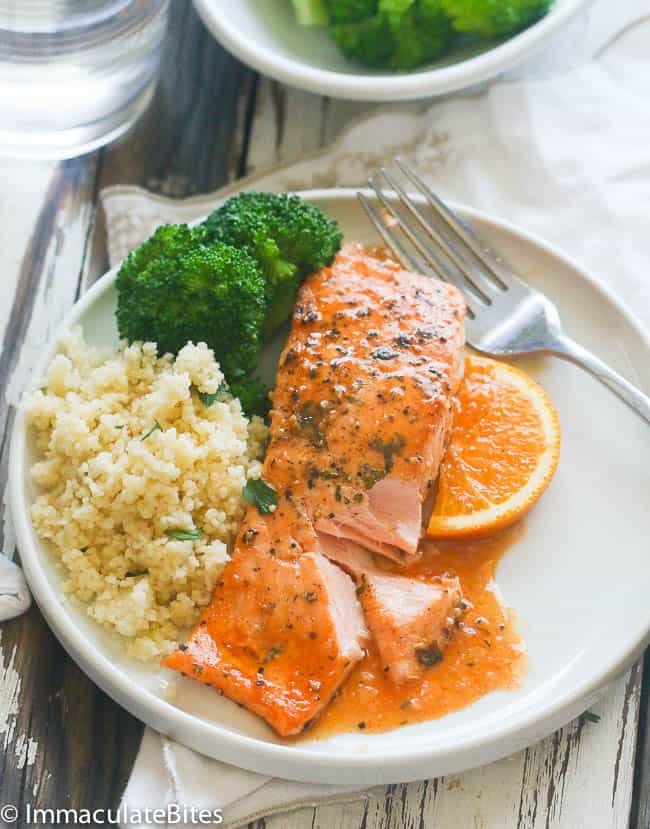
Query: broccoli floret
{"x":174,"y":288}
{"x":369,"y":41}
{"x":400,"y":34}
{"x":491,"y":18}
{"x":421,"y":30}
{"x":288,"y":237}
{"x":351,"y":11}
{"x":230,"y":282}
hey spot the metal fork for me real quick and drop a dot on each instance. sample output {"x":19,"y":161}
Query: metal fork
{"x":505,"y":316}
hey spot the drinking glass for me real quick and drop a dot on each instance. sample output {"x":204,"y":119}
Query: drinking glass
{"x":75,"y":74}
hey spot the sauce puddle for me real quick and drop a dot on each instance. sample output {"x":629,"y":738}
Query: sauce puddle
{"x":485,"y":654}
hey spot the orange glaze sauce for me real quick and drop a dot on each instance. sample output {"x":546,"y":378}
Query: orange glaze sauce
{"x":485,"y":653}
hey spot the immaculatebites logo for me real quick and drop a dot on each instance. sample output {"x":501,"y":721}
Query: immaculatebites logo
{"x":173,"y":814}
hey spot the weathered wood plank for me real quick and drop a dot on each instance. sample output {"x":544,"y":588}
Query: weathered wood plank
{"x":289,"y":124}
{"x":190,"y":139}
{"x":640,"y":812}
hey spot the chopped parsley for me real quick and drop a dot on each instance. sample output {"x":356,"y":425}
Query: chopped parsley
{"x":272,"y":654}
{"x":389,"y":449}
{"x":209,"y":399}
{"x":261,"y":495}
{"x":185,"y":535}
{"x":369,"y":475}
{"x":589,"y":716}
{"x":155,"y":428}
{"x":309,"y":419}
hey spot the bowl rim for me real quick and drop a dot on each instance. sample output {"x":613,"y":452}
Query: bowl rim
{"x":304,"y":762}
{"x":386,"y":87}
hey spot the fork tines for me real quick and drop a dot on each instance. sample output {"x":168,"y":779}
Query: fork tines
{"x":437,"y":240}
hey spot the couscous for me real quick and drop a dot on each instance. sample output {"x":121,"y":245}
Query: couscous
{"x":140,"y":476}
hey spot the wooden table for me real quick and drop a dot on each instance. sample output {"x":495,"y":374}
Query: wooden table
{"x":63,"y":743}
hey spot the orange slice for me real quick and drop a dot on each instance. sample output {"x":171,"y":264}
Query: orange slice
{"x":503,"y":451}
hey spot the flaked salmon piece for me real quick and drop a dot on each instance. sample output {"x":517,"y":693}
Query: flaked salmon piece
{"x":284,"y":627}
{"x":390,"y":522}
{"x":362,"y":406}
{"x":411,"y":621}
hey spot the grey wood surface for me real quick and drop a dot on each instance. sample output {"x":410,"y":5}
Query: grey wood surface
{"x":213,"y":121}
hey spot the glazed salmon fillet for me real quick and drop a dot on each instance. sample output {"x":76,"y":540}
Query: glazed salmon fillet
{"x":362,"y":406}
{"x":411,"y":621}
{"x":284,"y":627}
{"x":360,"y":418}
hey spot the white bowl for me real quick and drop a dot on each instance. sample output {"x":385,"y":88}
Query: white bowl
{"x":265,"y":35}
{"x":579,"y":579}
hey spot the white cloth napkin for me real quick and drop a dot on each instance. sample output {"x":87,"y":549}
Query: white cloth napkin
{"x":166,"y":772}
{"x":561,"y":147}
{"x":14,"y":593}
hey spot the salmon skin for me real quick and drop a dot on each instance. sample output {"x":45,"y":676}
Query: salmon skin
{"x":284,"y":627}
{"x":360,"y":418}
{"x":362,"y":406}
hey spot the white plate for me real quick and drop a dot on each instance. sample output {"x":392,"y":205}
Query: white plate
{"x":579,"y":579}
{"x":266,"y":36}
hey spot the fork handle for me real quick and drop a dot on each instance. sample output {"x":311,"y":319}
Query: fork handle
{"x":628,"y":393}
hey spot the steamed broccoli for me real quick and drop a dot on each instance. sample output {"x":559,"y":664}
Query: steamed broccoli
{"x":421,"y":31}
{"x":404,"y":34}
{"x":230,"y":282}
{"x":351,"y":11}
{"x":369,"y":41}
{"x":490,"y":18}
{"x":401,"y":34}
{"x":174,"y":288}
{"x":288,"y":237}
